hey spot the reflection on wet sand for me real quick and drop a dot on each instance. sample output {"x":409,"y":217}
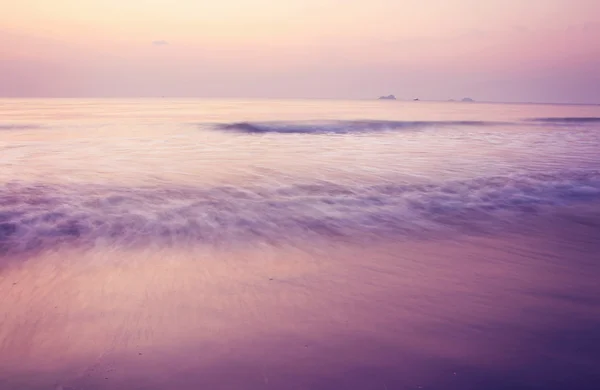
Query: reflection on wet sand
{"x":468,"y":313}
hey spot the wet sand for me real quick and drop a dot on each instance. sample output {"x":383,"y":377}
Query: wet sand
{"x":507,"y":312}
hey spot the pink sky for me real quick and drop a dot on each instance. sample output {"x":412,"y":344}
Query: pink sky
{"x":502,"y":50}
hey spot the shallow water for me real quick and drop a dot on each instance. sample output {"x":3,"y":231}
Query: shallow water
{"x":298,"y":244}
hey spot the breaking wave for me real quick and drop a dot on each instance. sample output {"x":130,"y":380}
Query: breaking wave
{"x":566,"y":120}
{"x":341,"y":127}
{"x":35,"y":217}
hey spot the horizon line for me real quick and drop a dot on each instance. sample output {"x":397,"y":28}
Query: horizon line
{"x":404,"y":100}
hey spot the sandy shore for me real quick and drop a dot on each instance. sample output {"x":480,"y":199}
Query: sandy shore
{"x":473,"y":313}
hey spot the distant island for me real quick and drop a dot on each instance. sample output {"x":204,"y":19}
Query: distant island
{"x":392,"y":97}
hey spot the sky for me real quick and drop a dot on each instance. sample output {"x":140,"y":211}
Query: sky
{"x":493,"y":50}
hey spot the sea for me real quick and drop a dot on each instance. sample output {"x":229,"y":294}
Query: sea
{"x":298,"y":244}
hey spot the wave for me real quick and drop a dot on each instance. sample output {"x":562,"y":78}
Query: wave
{"x":564,"y":120}
{"x":35,"y":217}
{"x":17,"y":126}
{"x":340,"y":127}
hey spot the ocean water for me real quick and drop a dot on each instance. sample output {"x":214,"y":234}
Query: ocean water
{"x":309,"y":244}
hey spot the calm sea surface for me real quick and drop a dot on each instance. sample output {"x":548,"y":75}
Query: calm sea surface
{"x":317,"y":244}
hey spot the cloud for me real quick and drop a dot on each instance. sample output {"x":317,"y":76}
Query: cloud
{"x":160,"y":43}
{"x":521,"y":29}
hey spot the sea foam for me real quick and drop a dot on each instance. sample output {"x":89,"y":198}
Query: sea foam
{"x":41,"y":216}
